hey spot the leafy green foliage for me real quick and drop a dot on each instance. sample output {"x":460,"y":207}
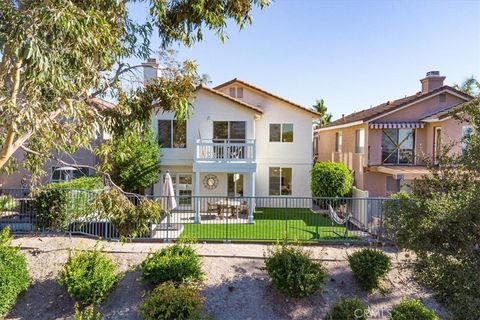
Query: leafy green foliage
{"x":331,"y":179}
{"x":369,"y":266}
{"x":412,"y":310}
{"x":7,"y":203}
{"x":134,"y":160}
{"x":83,"y":183}
{"x":89,"y":276}
{"x":178,"y":263}
{"x":348,"y":309}
{"x":292,"y":271}
{"x":129,"y":220}
{"x":57,"y":57}
{"x":168,"y":301}
{"x":14,"y":277}
{"x":89,"y":313}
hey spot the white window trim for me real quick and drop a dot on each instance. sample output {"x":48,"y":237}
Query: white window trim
{"x":280,"y":186}
{"x":171,"y":134}
{"x":362,"y":130}
{"x":281,"y":132}
{"x":340,"y":144}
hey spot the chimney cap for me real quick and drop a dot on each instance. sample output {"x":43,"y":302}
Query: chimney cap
{"x":433,"y":74}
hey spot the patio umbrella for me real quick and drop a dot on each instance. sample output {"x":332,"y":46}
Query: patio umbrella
{"x":168,"y":202}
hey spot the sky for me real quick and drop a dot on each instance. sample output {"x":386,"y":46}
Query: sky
{"x":353,"y":54}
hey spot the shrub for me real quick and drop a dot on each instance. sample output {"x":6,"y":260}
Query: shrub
{"x":14,"y":276}
{"x":368,"y":267}
{"x":412,"y":310}
{"x":88,"y":276}
{"x":89,"y":313}
{"x":50,"y":206}
{"x":331,"y":179}
{"x":7,"y":203}
{"x":83,"y":183}
{"x":348,"y":309}
{"x":169,"y":302}
{"x":177,"y":263}
{"x":292,"y":272}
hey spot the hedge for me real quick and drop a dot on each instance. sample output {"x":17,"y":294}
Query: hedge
{"x":14,"y":277}
{"x":331,"y":179}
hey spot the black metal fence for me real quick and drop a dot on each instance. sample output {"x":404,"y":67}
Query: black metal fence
{"x":317,"y":220}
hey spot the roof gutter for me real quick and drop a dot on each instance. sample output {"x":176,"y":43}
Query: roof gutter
{"x":339,"y":126}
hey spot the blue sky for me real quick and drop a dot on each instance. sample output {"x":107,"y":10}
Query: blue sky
{"x":353,"y":54}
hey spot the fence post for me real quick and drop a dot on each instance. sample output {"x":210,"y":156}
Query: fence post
{"x":380,"y":227}
{"x":286,"y":219}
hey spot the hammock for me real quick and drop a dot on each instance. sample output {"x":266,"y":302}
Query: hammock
{"x":335,"y":217}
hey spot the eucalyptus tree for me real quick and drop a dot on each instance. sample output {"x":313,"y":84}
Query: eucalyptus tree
{"x":58,"y":56}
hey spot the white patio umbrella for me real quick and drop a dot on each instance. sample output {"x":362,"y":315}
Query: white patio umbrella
{"x":168,"y":202}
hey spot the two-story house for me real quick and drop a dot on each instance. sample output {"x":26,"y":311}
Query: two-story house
{"x":383,"y":145}
{"x":240,"y":141}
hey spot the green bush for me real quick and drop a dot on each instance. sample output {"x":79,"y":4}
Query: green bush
{"x":167,"y":301}
{"x":83,"y":183}
{"x":412,"y":310}
{"x":14,"y":277}
{"x":7,"y":203}
{"x":89,"y":313}
{"x":89,"y":276}
{"x":368,"y":267}
{"x":348,"y":309}
{"x":292,"y":271}
{"x":178,"y":263}
{"x":51,"y":211}
{"x":331,"y":179}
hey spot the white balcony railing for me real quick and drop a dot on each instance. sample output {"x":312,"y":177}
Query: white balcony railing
{"x":225,"y":150}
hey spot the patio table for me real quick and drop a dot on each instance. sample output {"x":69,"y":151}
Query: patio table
{"x":224,"y":205}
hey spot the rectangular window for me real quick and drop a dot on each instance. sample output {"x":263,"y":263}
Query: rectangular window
{"x":229,"y":130}
{"x":338,"y":142}
{"x":281,"y":132}
{"x":172,"y":133}
{"x":235,"y":184}
{"x":467,"y":131}
{"x":280,"y":181}
{"x":232,"y":92}
{"x":236,"y":92}
{"x":398,"y":146}
{"x":393,"y":185}
{"x":360,"y":141}
{"x":183,"y":187}
{"x":239,"y":93}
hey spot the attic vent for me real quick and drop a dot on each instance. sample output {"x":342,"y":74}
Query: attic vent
{"x":433,"y":73}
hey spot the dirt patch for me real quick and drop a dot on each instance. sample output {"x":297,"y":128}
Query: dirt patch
{"x":236,"y":287}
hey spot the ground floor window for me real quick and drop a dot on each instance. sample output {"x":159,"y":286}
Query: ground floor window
{"x":182,"y":186}
{"x":60,"y":174}
{"x":235,"y":184}
{"x":280,"y":181}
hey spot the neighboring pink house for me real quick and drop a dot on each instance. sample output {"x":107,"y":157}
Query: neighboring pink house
{"x":383,"y":145}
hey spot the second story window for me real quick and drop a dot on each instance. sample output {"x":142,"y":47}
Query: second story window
{"x":281,"y":132}
{"x":236,"y":92}
{"x":338,"y":142}
{"x":398,"y":146}
{"x":467,"y":131}
{"x":360,"y":141}
{"x":172,"y":133}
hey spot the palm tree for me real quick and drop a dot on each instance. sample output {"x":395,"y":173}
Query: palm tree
{"x":325,"y":117}
{"x":470,"y":86}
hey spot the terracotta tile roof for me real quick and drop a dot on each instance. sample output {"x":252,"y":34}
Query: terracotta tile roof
{"x":388,"y":106}
{"x":221,"y":94}
{"x":246,"y":84}
{"x":103,"y":104}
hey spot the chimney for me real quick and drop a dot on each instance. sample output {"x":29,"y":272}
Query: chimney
{"x":151,"y":70}
{"x":432,"y":81}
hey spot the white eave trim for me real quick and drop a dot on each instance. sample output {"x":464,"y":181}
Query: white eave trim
{"x":415,"y":102}
{"x":437,"y":119}
{"x":339,"y":126}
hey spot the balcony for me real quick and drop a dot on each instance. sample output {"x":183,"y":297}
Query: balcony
{"x":225,"y":151}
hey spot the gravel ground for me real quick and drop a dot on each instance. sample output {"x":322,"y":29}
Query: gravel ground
{"x":236,"y":286}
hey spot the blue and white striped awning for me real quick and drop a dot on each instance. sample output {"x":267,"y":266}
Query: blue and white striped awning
{"x":396,"y":125}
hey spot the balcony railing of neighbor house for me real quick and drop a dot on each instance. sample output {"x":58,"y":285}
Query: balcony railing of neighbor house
{"x":228,"y":150}
{"x":227,"y":219}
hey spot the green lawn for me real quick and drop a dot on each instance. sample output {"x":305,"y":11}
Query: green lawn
{"x":302,"y":225}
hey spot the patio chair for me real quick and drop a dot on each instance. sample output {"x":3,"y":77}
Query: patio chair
{"x":212,"y":208}
{"x":339,"y":220}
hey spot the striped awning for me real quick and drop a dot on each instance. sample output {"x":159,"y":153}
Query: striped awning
{"x":396,"y":125}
